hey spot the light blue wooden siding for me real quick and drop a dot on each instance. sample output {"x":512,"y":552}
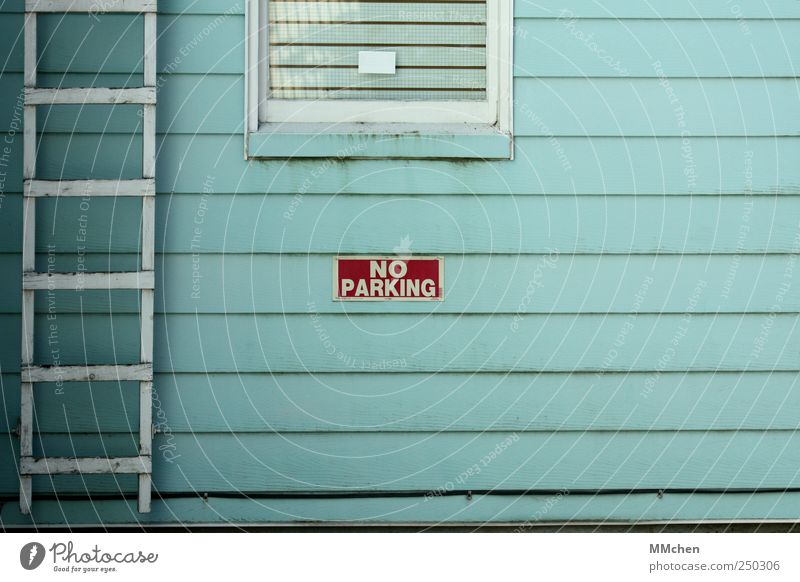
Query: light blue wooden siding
{"x":622,"y":304}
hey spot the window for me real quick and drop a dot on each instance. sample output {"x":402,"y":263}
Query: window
{"x":378,"y":78}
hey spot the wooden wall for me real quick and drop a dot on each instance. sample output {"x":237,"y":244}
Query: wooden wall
{"x":622,"y":304}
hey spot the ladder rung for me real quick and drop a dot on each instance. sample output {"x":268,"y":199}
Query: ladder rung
{"x":93,"y":6}
{"x":91,"y":95}
{"x":39,"y":188}
{"x":80,"y":281}
{"x":60,"y":465}
{"x":132,"y":372}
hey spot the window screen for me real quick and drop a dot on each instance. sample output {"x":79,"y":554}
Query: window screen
{"x":327,"y":50}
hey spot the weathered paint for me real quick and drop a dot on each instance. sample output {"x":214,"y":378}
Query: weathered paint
{"x":621,"y":306}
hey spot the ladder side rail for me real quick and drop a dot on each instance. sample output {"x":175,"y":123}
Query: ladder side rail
{"x":148,"y":259}
{"x":28,"y":260}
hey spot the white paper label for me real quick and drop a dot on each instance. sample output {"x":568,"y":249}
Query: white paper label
{"x":376,"y":62}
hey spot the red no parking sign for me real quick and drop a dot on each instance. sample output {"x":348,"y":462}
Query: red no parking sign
{"x":388,"y":278}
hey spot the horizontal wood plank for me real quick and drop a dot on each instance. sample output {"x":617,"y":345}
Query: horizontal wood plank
{"x":523,"y":512}
{"x":462,"y":224}
{"x":591,"y":166}
{"x":193,"y":104}
{"x":85,"y":188}
{"x":682,"y":9}
{"x":609,"y":165}
{"x":475,"y":284}
{"x":92,"y":373}
{"x":410,"y":343}
{"x":85,"y":465}
{"x":90,"y":95}
{"x":652,"y":107}
{"x":655,"y":48}
{"x":578,"y":165}
{"x":429,"y":224}
{"x":429,"y":462}
{"x":90,"y":6}
{"x":506,"y":284}
{"x":503,"y":284}
{"x":68,"y":263}
{"x":372,"y":402}
{"x":651,"y":460}
{"x":453,"y":343}
{"x":543,"y":46}
{"x":80,"y":281}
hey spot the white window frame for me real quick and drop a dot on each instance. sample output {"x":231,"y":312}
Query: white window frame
{"x":265,"y":114}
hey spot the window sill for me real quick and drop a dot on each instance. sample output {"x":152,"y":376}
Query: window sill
{"x":379,"y":141}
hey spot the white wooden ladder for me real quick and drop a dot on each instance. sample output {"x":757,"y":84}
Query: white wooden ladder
{"x":142,"y":280}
